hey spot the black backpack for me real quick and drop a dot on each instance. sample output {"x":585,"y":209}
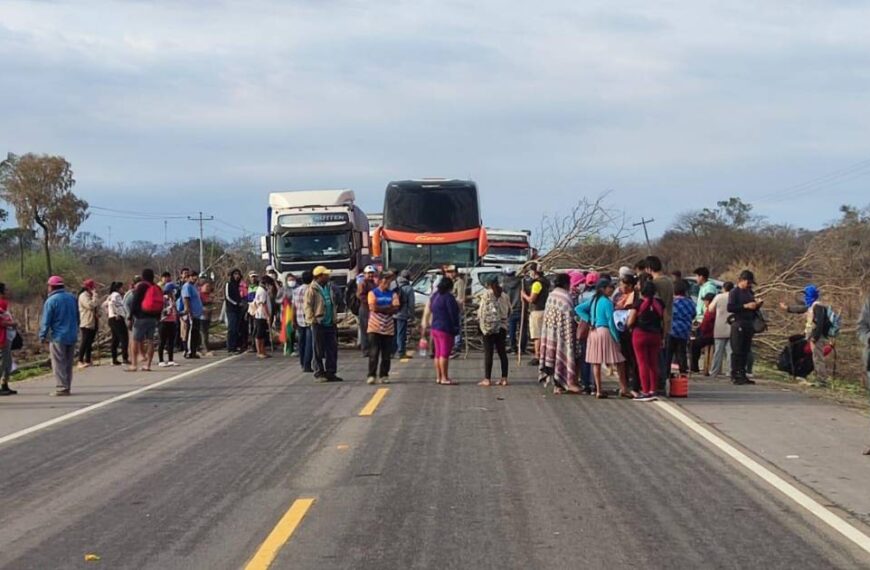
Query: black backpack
{"x":353,"y":302}
{"x":649,"y":320}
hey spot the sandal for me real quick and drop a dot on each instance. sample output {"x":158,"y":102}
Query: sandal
{"x":573,"y":389}
{"x":628,"y":395}
{"x":866,"y":451}
{"x":485,"y":383}
{"x":503,"y":383}
{"x":129,"y":369}
{"x":558,"y":391}
{"x":447,"y":382}
{"x":601,"y":395}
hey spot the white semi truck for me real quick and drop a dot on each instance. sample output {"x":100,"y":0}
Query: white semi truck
{"x":317,"y":227}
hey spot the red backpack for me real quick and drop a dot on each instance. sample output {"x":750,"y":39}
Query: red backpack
{"x":153,"y":300}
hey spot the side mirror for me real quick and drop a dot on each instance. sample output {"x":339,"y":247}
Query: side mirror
{"x":264,"y":245}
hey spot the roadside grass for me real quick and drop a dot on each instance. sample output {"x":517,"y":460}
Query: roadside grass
{"x":30,"y":372}
{"x":849,"y":392}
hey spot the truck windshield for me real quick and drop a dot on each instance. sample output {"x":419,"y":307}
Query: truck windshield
{"x":313,"y":247}
{"x":506,"y":252}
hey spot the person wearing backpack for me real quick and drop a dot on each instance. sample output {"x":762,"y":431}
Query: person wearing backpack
{"x":818,"y":329}
{"x":492,"y":314}
{"x":646,"y":322}
{"x":146,"y":309}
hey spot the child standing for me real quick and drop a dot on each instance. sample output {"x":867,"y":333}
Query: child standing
{"x":681,"y":325}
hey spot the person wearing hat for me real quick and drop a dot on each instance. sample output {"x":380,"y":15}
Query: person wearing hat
{"x":117,"y":312}
{"x":512,"y":286}
{"x":536,"y":298}
{"x":816,"y":329}
{"x":407,"y":310}
{"x":744,"y":308}
{"x":60,"y":326}
{"x":168,"y":323}
{"x":233,"y":298}
{"x":364,"y":286}
{"x":320,"y":315}
{"x":88,"y":322}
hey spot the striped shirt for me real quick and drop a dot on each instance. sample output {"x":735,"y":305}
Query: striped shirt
{"x":382,"y":323}
{"x":299,"y":305}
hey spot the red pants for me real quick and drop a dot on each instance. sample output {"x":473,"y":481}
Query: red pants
{"x":647,"y":347}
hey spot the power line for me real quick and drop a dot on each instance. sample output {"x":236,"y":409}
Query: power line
{"x":201,"y":219}
{"x":847,"y":174}
{"x":643,"y":222}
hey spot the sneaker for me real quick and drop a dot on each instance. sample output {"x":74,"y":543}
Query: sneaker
{"x":5,"y":390}
{"x":116,"y":363}
{"x":59,"y":393}
{"x":171,"y":363}
{"x":385,"y":380}
{"x":334,"y":378}
{"x":370,"y":380}
{"x":642,"y":398}
{"x":162,"y":365}
{"x":194,"y":357}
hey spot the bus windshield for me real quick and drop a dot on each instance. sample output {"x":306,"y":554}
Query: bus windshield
{"x":419,"y":207}
{"x":508,"y":252}
{"x":312,"y":247}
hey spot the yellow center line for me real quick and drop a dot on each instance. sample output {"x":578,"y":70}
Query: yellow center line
{"x":279,"y":536}
{"x":374,"y":402}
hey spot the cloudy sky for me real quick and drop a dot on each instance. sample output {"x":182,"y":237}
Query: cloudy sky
{"x":172,"y":107}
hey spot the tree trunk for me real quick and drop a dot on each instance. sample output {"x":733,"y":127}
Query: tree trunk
{"x":21,"y":248}
{"x":47,"y":255}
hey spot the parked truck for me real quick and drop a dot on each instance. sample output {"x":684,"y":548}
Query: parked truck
{"x":508,"y":247}
{"x":317,"y":227}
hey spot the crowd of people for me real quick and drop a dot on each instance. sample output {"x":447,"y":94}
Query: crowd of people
{"x":640,"y":324}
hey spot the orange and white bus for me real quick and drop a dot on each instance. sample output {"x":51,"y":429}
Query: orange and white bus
{"x":429,"y":223}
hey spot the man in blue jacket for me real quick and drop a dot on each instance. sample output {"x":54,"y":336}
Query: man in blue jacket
{"x":60,"y":320}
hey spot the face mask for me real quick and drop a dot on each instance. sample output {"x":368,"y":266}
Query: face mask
{"x":291,"y":284}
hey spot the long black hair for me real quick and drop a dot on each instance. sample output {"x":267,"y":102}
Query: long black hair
{"x":445,"y":285}
{"x":115,"y":287}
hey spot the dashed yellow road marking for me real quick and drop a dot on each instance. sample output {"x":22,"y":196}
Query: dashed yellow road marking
{"x":279,"y":536}
{"x":374,"y":402}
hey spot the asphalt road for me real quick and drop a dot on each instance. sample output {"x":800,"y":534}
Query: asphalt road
{"x":197,"y":473}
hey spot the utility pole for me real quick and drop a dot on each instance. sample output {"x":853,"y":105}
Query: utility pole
{"x":200,"y":219}
{"x":643,"y":222}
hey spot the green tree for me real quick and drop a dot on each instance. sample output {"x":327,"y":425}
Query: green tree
{"x":39,"y":187}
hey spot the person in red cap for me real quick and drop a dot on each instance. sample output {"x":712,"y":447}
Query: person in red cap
{"x":60,"y":327}
{"x":88,"y":321}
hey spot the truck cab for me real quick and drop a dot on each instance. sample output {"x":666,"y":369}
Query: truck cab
{"x":316,"y":227}
{"x":508,"y":247}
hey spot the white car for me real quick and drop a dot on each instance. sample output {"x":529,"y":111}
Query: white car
{"x":475,"y":279}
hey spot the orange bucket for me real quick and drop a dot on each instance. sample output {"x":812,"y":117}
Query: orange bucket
{"x":679,"y":387}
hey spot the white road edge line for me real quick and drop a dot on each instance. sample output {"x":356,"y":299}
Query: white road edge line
{"x":777,"y":482}
{"x":87,"y":409}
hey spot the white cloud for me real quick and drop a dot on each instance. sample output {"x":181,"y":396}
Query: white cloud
{"x":687,"y":99}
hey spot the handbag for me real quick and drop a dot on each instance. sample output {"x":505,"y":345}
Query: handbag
{"x":17,"y":342}
{"x":759,"y":323}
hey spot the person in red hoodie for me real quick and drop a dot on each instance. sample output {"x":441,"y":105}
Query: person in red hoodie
{"x":704,"y":337}
{"x":7,"y":323}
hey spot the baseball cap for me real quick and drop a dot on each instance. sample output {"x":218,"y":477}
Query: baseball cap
{"x":55,"y":280}
{"x":252,"y":274}
{"x":368,"y":269}
{"x":270,"y":268}
{"x":625,"y":271}
{"x":169,"y":288}
{"x":321,"y":270}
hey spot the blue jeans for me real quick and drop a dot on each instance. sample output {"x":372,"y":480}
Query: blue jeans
{"x":305,"y":346}
{"x":401,"y":344}
{"x":233,"y":324}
